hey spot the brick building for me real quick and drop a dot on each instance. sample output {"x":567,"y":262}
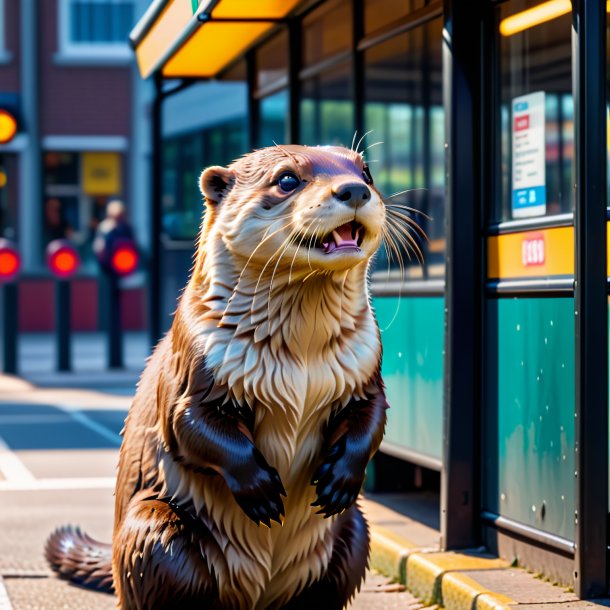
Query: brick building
{"x":66,"y":73}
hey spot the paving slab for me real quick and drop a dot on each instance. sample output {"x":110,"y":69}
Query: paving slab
{"x":28,"y":517}
{"x":521,"y":586}
{"x":54,"y":594}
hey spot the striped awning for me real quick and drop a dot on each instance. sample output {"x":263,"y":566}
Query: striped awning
{"x":198,"y":38}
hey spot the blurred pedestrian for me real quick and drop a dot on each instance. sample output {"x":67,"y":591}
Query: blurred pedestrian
{"x":111,"y":233}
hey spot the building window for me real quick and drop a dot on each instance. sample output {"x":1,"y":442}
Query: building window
{"x":95,"y":27}
{"x":77,"y":187}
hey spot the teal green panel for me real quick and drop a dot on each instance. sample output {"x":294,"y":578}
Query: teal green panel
{"x":412,"y":368}
{"x":529,"y":413}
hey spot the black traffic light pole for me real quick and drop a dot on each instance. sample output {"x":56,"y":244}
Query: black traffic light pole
{"x":9,"y":327}
{"x":62,"y":334}
{"x":115,"y":342}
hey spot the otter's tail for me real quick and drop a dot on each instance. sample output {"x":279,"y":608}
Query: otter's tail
{"x":79,"y":558}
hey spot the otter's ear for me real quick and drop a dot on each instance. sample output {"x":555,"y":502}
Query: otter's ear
{"x":215,"y":182}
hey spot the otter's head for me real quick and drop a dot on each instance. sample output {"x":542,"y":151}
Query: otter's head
{"x":311,"y":208}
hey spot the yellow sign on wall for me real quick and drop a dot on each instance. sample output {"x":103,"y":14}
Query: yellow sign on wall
{"x":101,"y":173}
{"x":539,"y":253}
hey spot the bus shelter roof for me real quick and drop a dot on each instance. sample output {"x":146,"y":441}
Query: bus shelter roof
{"x":199,"y":38}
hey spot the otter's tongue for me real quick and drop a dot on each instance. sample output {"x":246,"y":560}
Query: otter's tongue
{"x":342,"y":238}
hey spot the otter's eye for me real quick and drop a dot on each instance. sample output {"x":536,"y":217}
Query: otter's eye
{"x":288,"y":182}
{"x":366,"y":175}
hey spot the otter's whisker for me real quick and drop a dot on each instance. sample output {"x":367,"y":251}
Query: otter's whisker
{"x":353,"y":140}
{"x":312,"y":241}
{"x":265,"y":238}
{"x":405,"y":191}
{"x":293,"y":237}
{"x":286,"y":152}
{"x":297,"y":249}
{"x":401,"y":216}
{"x":371,"y":146}
{"x":399,"y":206}
{"x":260,"y":276}
{"x":409,"y":226}
{"x":362,"y":138}
{"x":402,"y":234}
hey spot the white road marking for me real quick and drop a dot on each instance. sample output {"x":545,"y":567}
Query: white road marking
{"x":12,"y":468}
{"x":84,"y":420}
{"x":5,"y":602}
{"x":74,"y":483}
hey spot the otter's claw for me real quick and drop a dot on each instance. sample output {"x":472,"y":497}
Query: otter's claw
{"x":338,"y":480}
{"x":257,"y":488}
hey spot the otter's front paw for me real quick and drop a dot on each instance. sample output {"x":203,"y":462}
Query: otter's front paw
{"x":257,"y":489}
{"x":338,"y":480}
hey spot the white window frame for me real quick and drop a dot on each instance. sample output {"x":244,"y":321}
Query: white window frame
{"x":86,"y":51}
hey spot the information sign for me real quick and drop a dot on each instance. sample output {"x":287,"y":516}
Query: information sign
{"x":529,"y":172}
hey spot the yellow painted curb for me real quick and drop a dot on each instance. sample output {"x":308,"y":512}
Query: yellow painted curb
{"x":460,"y":592}
{"x":425,"y":571}
{"x":389,"y":553}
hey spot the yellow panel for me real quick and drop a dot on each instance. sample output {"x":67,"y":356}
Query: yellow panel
{"x":166,"y":30}
{"x":212,"y":47}
{"x":542,"y":253}
{"x":101,"y":173}
{"x":251,"y":8}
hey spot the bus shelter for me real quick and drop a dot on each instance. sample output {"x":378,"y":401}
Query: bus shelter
{"x":493,"y":116}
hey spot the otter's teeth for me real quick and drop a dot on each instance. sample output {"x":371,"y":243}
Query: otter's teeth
{"x":337,"y":238}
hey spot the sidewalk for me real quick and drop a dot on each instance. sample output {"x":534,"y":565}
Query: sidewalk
{"x":36,"y":360}
{"x":407,"y":550}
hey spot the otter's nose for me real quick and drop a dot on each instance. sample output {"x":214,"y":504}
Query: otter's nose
{"x":352,"y":194}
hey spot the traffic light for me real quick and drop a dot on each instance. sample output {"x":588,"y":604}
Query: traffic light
{"x":117,"y":255}
{"x":124,"y":259}
{"x":10,"y":261}
{"x":62,"y":259}
{"x":8,"y":126}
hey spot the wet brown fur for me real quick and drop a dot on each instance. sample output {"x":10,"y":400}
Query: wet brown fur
{"x":213,"y":451}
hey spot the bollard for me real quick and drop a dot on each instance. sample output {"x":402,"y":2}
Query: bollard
{"x":10,"y":263}
{"x":63,"y":262}
{"x":118,"y":257}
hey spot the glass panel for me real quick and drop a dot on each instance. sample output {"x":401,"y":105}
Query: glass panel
{"x":274,"y":119}
{"x":194,"y":140}
{"x":404,"y":111}
{"x":412,"y":369}
{"x":272,"y":60}
{"x":326,"y":31}
{"x":378,"y":13}
{"x":327,"y":109}
{"x":529,"y":423}
{"x":536,"y":115}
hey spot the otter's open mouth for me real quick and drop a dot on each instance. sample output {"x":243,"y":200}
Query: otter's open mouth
{"x":348,"y":236}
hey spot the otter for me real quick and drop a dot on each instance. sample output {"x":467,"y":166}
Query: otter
{"x":246,"y":445}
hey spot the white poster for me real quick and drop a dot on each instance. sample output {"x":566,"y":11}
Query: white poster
{"x":529,"y":171}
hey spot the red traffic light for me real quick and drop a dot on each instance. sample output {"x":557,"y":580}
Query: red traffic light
{"x":10,"y":261}
{"x":124,"y":259}
{"x":62,"y":259}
